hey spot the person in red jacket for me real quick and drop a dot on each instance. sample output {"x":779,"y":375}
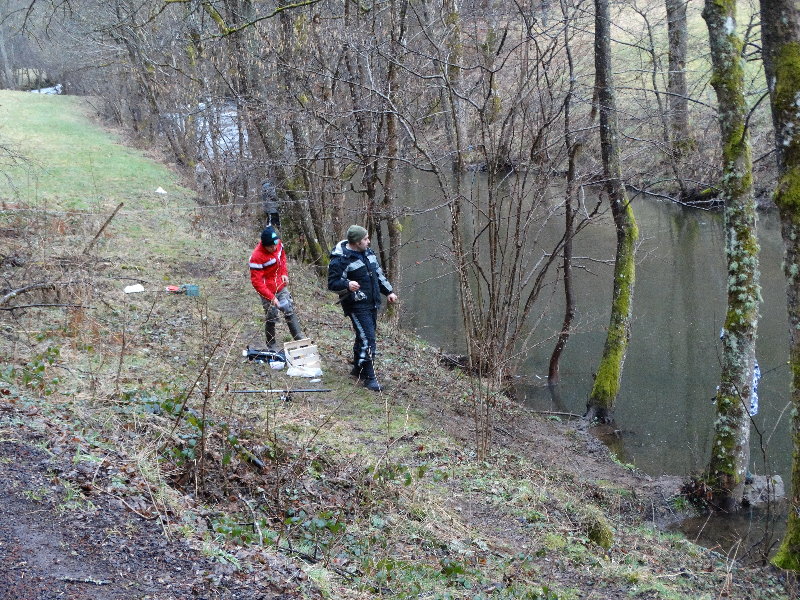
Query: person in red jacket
{"x":269,"y":276}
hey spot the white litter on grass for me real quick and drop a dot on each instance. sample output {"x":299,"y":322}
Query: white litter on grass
{"x":133,"y":289}
{"x":160,"y":190}
{"x":298,"y":371}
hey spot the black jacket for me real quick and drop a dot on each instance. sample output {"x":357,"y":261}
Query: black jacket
{"x":348,"y":265}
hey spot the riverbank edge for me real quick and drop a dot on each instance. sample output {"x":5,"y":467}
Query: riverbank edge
{"x":387,"y":486}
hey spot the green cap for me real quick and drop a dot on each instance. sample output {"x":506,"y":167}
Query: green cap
{"x":355,"y":233}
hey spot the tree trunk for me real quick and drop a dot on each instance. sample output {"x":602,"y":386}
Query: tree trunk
{"x":730,"y":451}
{"x":673,"y":114}
{"x":781,"y":52}
{"x":456,"y":129}
{"x":606,"y":386}
{"x":7,"y":79}
{"x":553,"y":375}
{"x":391,"y":264}
{"x":569,"y":217}
{"x":678,"y":36}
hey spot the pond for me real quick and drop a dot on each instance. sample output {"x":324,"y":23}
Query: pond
{"x":664,"y":411}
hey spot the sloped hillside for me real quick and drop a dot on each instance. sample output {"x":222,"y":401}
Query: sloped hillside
{"x":141,"y":458}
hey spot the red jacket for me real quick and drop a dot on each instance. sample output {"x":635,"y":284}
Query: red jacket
{"x":267,"y":270}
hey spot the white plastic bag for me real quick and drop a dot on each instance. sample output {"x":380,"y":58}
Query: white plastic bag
{"x":297,"y":371}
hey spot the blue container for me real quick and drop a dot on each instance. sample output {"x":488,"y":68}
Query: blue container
{"x":191,"y":289}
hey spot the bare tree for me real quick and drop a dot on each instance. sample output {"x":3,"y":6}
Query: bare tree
{"x":389,"y":214}
{"x":513,"y":81}
{"x":7,"y":79}
{"x":573,"y":148}
{"x":666,"y":105}
{"x":677,"y":35}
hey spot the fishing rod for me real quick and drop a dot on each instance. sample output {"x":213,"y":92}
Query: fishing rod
{"x":281,"y":391}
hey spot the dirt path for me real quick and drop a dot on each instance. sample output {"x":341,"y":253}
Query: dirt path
{"x":64,"y":535}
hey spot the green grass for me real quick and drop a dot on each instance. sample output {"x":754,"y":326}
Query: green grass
{"x":70,"y":162}
{"x":66,"y":161}
{"x":37,"y":495}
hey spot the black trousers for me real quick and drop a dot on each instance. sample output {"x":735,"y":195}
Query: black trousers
{"x":364,"y":323}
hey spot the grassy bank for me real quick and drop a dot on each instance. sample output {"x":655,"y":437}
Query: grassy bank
{"x":370,"y":495}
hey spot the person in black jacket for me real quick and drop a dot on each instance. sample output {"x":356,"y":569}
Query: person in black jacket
{"x":354,"y":273}
{"x":269,"y":202}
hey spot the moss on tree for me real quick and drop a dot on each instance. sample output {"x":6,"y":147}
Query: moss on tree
{"x":609,"y":372}
{"x":787,"y":87}
{"x":782,"y":55}
{"x":730,"y":447}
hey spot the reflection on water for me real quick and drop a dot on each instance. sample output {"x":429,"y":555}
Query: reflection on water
{"x":664,"y":410}
{"x":749,"y":536}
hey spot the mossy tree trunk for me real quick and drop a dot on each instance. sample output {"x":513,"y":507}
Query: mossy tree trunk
{"x":781,"y":52}
{"x":606,"y":386}
{"x":730,"y":452}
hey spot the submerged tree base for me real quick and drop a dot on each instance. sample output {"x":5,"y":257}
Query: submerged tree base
{"x":758,"y":490}
{"x":598,"y":415}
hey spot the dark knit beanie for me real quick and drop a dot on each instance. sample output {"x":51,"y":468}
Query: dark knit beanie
{"x":269,"y":236}
{"x":355,"y":233}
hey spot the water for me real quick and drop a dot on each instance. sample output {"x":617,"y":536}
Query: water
{"x":749,"y":536}
{"x":664,"y":410}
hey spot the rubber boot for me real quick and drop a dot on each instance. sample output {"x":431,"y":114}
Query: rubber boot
{"x":269,"y":334}
{"x":356,"y":371}
{"x":294,"y":327}
{"x":373,"y":385}
{"x":368,"y":379}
